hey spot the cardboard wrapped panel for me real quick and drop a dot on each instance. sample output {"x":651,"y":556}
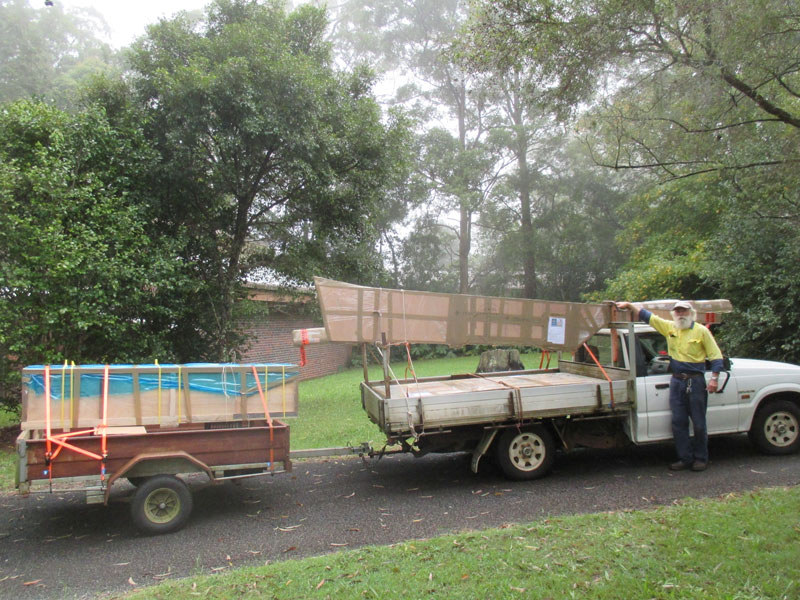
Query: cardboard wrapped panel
{"x":206,"y":393}
{"x":358,"y":314}
{"x":708,"y":311}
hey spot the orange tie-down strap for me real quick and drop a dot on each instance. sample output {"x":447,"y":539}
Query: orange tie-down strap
{"x":60,"y":439}
{"x":269,"y":418}
{"x":303,"y":344}
{"x":603,"y":371}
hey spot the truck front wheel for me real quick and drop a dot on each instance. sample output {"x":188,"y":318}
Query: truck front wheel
{"x":161,"y":504}
{"x":776,"y":428}
{"x":527,"y":453}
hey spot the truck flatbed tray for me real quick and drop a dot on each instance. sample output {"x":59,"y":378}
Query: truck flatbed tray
{"x":485,"y":399}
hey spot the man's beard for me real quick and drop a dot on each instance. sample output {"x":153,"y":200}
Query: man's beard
{"x":682,"y":322}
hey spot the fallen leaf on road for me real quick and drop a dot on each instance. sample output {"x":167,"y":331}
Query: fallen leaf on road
{"x":290,"y":549}
{"x":34,"y":582}
{"x":338,"y":545}
{"x":131,"y":581}
{"x":121,"y":564}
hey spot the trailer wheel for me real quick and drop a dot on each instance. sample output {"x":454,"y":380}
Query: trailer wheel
{"x":776,"y":428}
{"x":526,"y":454}
{"x":161,"y":504}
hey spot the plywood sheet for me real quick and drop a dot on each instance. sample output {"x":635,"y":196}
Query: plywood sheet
{"x":358,"y":314}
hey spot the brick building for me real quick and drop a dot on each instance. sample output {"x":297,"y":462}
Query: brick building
{"x":270,"y":333}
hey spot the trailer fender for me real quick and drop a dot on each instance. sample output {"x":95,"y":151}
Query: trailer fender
{"x":160,"y":463}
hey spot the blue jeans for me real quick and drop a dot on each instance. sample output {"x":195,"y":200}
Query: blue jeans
{"x":689,"y":398}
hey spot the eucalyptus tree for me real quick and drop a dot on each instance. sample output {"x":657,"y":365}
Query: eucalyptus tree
{"x":409,"y":41}
{"x":702,"y":95}
{"x":682,"y":87}
{"x":48,"y":52}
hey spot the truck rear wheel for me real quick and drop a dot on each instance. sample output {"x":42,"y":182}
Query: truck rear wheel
{"x":776,"y":428}
{"x":161,"y":504}
{"x":527,"y":453}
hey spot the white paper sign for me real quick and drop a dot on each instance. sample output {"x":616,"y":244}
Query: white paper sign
{"x":556,"y":330}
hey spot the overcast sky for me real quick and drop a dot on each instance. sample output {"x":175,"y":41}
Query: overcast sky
{"x":127,"y":19}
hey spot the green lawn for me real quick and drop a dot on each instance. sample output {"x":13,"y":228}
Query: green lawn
{"x":736,"y":548}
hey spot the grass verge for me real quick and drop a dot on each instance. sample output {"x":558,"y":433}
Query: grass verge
{"x":736,"y":547}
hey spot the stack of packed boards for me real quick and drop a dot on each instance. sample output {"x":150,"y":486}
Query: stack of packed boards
{"x":165,"y":395}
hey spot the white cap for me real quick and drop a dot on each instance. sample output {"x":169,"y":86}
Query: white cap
{"x":682,"y":304}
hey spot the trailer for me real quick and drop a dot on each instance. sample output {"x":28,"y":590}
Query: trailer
{"x":88,"y":427}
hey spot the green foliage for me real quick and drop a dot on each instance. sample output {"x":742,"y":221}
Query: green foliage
{"x":667,"y":237}
{"x":272,"y":160}
{"x":80,"y":276}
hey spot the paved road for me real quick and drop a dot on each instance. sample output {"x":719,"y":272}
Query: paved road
{"x":72,"y":550}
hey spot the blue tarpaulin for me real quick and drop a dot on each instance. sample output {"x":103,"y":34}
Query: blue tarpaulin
{"x":221,"y":378}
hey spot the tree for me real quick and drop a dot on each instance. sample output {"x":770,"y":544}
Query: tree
{"x":702,"y":96}
{"x":568,"y":227}
{"x":48,"y":53}
{"x":271,"y":158}
{"x":80,"y":276}
{"x":684,"y":88}
{"x":412,"y":40}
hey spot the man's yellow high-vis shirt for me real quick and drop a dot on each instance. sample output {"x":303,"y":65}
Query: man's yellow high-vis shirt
{"x":689,"y":348}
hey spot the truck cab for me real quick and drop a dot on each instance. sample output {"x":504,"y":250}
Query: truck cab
{"x":755,"y":396}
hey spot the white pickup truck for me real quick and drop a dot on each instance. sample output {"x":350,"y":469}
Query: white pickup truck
{"x":523,"y":416}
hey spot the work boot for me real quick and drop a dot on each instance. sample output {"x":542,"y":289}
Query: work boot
{"x":679,"y":466}
{"x":699,"y":466}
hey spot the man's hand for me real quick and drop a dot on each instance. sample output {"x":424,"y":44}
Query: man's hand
{"x":629,"y":306}
{"x":713,"y":385}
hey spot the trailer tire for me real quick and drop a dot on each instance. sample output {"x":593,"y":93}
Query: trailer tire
{"x":526,"y":454}
{"x":136,"y":481}
{"x":776,"y":428}
{"x":162,"y":504}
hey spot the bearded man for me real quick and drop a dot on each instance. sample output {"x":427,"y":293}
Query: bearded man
{"x":689,"y":345}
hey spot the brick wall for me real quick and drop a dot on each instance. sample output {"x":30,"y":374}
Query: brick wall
{"x":271,"y":341}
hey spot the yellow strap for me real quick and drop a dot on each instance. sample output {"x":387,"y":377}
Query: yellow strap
{"x":266,"y":385}
{"x":179,"y":394}
{"x":159,"y":393}
{"x":63,"y":390}
{"x":71,"y":394}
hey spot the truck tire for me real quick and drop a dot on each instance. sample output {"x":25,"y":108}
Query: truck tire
{"x":161,"y":504}
{"x":526,"y":453}
{"x":776,"y":428}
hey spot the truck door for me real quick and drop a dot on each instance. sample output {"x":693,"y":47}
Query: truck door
{"x":723,"y":409}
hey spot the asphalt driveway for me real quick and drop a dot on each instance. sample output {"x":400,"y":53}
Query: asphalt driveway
{"x":55,"y":546}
